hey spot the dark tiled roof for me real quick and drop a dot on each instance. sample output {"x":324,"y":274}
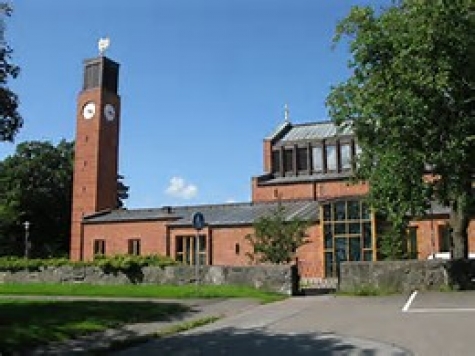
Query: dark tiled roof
{"x":215,"y":215}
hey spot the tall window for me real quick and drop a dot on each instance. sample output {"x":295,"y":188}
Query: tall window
{"x":99,"y":247}
{"x":185,"y":249}
{"x":345,"y":156}
{"x":331,"y":157}
{"x":412,"y":252}
{"x":444,"y":238}
{"x":302,"y":159}
{"x":317,"y":159}
{"x":134,"y":247}
{"x":347,"y":234}
{"x":288,"y":160}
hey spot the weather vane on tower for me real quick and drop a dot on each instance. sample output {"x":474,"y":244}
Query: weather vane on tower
{"x":103,"y":44}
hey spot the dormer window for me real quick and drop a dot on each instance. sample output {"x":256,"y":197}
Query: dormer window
{"x":317,"y":159}
{"x":302,"y":159}
{"x":332,"y":162}
{"x":288,"y":161}
{"x":345,"y":156}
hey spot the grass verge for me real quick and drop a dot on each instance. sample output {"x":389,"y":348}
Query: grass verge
{"x":187,"y":326}
{"x":139,"y":291}
{"x":25,"y":324}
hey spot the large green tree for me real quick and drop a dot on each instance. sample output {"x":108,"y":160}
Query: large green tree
{"x":35,"y":186}
{"x":10,"y":119}
{"x":411,"y":102}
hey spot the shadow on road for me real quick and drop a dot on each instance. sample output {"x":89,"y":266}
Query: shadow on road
{"x":232,"y":341}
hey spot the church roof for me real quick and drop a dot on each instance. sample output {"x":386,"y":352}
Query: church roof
{"x":315,"y":131}
{"x":215,"y":215}
{"x":288,"y":132}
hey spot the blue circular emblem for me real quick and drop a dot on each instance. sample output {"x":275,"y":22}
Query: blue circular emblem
{"x":198,"y":220}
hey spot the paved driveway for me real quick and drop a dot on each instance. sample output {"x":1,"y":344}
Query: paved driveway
{"x":432,"y":324}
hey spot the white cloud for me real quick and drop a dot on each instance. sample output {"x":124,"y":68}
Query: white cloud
{"x":230,"y":201}
{"x":179,"y":188}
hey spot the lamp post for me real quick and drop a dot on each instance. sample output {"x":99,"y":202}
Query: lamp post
{"x":26,"y":225}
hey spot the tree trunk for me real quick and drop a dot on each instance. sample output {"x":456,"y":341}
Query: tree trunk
{"x":459,"y":221}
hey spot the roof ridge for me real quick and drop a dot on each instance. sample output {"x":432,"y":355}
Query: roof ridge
{"x":209,"y":205}
{"x":312,"y":123}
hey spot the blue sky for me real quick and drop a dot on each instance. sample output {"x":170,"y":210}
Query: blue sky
{"x":202,"y":83}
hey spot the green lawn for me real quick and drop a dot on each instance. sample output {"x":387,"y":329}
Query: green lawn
{"x":24,"y":324}
{"x":144,"y":291}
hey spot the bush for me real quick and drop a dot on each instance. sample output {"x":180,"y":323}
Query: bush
{"x":10,"y":263}
{"x":131,"y":263}
{"x":124,"y":263}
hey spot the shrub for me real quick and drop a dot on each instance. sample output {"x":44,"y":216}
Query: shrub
{"x":124,"y":263}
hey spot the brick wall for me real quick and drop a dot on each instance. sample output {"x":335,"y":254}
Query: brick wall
{"x":152,"y":235}
{"x":310,"y":256}
{"x":428,"y":236}
{"x":230,"y":246}
{"x":308,"y":190}
{"x":95,"y":162}
{"x":267,"y":156}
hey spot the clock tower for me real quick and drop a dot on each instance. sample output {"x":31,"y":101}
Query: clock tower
{"x":96,"y":146}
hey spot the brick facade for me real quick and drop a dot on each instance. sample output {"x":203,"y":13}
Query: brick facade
{"x":95,"y":192}
{"x":429,"y":236}
{"x":152,"y":236}
{"x":267,"y":155}
{"x":95,"y":161}
{"x":308,"y":190}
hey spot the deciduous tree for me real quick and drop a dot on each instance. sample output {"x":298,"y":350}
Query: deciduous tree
{"x":276,"y":238}
{"x":10,"y":119}
{"x":35,"y":186}
{"x":411,"y":102}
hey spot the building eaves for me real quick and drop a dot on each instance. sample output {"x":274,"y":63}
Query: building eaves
{"x":279,"y":130}
{"x":123,"y":215}
{"x":307,"y":178}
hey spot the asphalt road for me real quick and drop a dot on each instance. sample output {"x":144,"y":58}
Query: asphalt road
{"x":433,"y":324}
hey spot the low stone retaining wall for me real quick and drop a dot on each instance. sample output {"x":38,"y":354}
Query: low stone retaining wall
{"x":280,"y":279}
{"x":404,"y":276}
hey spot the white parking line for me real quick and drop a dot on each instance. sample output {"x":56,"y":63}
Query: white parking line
{"x":406,"y":306}
{"x":440,"y":310}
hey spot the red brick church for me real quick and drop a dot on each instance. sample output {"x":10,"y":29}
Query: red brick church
{"x":306,"y":167}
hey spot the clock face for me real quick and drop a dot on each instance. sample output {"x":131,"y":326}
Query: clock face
{"x":89,"y":110}
{"x":109,"y":112}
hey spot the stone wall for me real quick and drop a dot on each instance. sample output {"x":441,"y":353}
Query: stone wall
{"x":404,"y":276}
{"x":280,"y":279}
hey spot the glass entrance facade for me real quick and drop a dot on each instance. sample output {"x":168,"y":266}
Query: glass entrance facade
{"x":347,"y":233}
